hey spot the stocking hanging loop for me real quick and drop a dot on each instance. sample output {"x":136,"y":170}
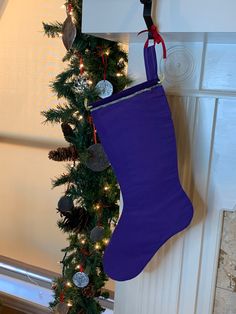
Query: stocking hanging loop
{"x":150,"y":61}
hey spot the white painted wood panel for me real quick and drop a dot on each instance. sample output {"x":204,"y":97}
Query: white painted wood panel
{"x":220,"y":69}
{"x":180,"y":279}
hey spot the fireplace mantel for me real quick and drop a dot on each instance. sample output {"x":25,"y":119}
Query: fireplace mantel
{"x":184,"y":20}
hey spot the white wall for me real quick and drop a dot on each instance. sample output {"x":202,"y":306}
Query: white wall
{"x":200,"y":81}
{"x":28,"y":61}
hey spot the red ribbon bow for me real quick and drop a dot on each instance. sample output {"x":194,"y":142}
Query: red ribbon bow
{"x":156,"y":37}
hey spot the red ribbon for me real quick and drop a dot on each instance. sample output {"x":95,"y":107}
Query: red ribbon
{"x":104,"y":62}
{"x":62,"y":297}
{"x":69,"y":8}
{"x":81,"y":65}
{"x":156,"y":37}
{"x":94,"y":130}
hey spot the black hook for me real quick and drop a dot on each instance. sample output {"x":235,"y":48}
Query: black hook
{"x":147,"y":15}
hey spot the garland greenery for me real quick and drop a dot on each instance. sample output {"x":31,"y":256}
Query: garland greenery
{"x":90,"y":202}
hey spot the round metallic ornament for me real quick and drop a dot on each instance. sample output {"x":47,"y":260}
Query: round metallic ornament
{"x":80,"y":279}
{"x":97,"y":159}
{"x":105,"y":88}
{"x":65,"y":204}
{"x":97,"y":234}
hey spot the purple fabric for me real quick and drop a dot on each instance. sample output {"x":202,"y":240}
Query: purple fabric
{"x":138,"y":137}
{"x":150,"y":60}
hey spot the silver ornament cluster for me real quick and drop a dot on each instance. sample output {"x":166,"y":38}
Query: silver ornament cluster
{"x":81,"y":83}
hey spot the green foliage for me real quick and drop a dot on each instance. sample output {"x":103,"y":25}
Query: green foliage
{"x":52,"y":30}
{"x":95,"y":194}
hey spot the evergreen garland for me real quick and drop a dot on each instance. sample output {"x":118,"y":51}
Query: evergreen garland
{"x":94,"y":195}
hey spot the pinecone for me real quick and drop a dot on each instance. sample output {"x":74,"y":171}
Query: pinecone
{"x":88,"y":291}
{"x":68,"y":132}
{"x":64,"y":154}
{"x":76,"y":220}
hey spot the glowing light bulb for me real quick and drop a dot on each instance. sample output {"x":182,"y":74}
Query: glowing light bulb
{"x":69,"y":303}
{"x":118,"y":74}
{"x":97,"y":206}
{"x":90,"y":82}
{"x":107,"y":52}
{"x":106,"y":241}
{"x":81,"y":66}
{"x":106,"y":188}
{"x":97,"y":246}
{"x":83,"y":241}
{"x":78,"y":266}
{"x":68,"y":284}
{"x":80,"y":118}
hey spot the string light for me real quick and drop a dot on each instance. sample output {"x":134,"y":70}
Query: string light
{"x":107,"y":52}
{"x":78,"y":267}
{"x":118,"y":74}
{"x":68,"y":284}
{"x":80,"y":118}
{"x":90,"y":82}
{"x":97,"y":246}
{"x":97,"y":206}
{"x":106,"y":241}
{"x":69,"y":304}
{"x":106,"y":188}
{"x":81,"y":66}
{"x":83,"y":241}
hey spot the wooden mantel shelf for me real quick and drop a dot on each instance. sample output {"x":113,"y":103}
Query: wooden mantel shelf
{"x":188,"y":20}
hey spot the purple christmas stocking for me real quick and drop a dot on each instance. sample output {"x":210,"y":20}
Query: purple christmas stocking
{"x":137,"y":133}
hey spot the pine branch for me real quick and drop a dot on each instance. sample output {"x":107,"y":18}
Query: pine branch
{"x":52,"y":30}
{"x":61,"y":180}
{"x":60,"y":114}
